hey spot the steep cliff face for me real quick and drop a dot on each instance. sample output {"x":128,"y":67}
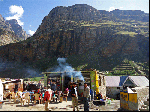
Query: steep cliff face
{"x":4,"y":25}
{"x":62,"y":17}
{"x":7,"y":34}
{"x":85,"y":32}
{"x":7,"y":37}
{"x":17,"y":29}
{"x":11,"y":32}
{"x":137,"y":15}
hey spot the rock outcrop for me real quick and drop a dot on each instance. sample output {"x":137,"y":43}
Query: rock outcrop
{"x":11,"y":32}
{"x":18,"y":29}
{"x":83,"y":31}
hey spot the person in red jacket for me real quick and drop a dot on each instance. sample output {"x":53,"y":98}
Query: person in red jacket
{"x":47,"y":98}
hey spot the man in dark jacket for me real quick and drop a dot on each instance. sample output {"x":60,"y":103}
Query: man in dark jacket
{"x":39,"y":85}
{"x":53,"y":86}
{"x":86,"y":94}
{"x":16,"y":87}
{"x":29,"y":87}
{"x":74,"y":96}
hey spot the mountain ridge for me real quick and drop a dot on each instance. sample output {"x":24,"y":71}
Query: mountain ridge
{"x":11,"y":31}
{"x":18,"y":29}
{"x":100,"y":39}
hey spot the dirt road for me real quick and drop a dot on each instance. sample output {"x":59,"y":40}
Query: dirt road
{"x":64,"y":106}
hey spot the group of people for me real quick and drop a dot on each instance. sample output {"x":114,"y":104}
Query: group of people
{"x":52,"y":85}
{"x":85,"y":95}
{"x":73,"y":93}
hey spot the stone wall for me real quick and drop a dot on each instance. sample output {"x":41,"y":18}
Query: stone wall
{"x":142,"y":95}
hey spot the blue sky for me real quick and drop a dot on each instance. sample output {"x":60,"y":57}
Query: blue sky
{"x":30,"y":13}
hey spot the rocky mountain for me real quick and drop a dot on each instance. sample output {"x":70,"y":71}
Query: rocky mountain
{"x":11,"y":32}
{"x":136,"y":15}
{"x":18,"y":29}
{"x":4,"y":25}
{"x":84,"y":35}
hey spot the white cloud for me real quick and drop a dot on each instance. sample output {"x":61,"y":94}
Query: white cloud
{"x":17,"y":12}
{"x":31,"y":32}
{"x":121,"y":8}
{"x":111,"y":8}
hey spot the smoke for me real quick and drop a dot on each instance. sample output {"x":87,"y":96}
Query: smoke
{"x":15,"y":70}
{"x":67,"y":69}
{"x":30,"y":72}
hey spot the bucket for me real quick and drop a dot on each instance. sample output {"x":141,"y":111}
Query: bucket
{"x":0,"y":104}
{"x":61,"y":99}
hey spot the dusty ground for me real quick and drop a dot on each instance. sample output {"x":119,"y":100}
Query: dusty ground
{"x":64,"y":106}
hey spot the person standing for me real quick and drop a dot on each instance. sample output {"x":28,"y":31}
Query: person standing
{"x":74,"y":96}
{"x":66,"y":92}
{"x":25,"y":85}
{"x":16,"y":88}
{"x":53,"y":86}
{"x":39,"y":85}
{"x":29,"y":87}
{"x":86,"y":94}
{"x":47,"y":98}
{"x":49,"y":83}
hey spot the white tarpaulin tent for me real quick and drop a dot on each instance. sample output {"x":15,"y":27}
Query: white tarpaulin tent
{"x":1,"y":91}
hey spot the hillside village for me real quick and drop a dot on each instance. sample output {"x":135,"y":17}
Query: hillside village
{"x":112,"y":88}
{"x":128,"y":77}
{"x":109,"y":50}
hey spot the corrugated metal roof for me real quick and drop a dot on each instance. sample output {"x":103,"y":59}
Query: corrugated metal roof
{"x":139,"y":80}
{"x":112,"y":80}
{"x":120,"y":80}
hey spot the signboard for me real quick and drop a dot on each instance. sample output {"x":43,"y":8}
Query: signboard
{"x":92,"y":76}
{"x":124,"y":96}
{"x":133,"y":97}
{"x":128,"y":101}
{"x":124,"y":100}
{"x":96,"y":82}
